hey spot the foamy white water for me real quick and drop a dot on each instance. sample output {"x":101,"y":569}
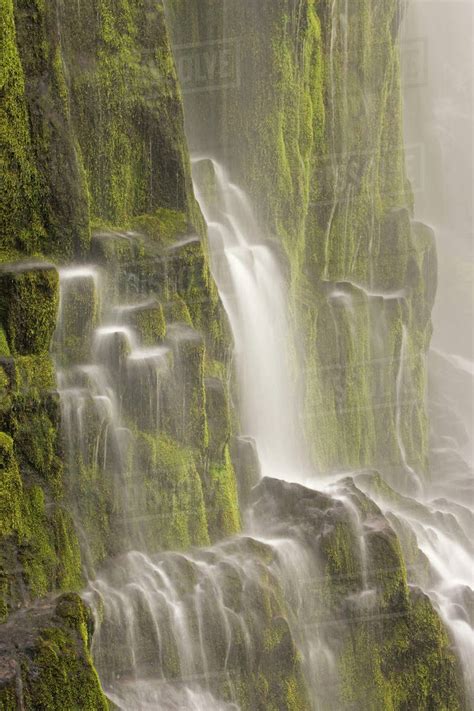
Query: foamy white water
{"x":254,"y":294}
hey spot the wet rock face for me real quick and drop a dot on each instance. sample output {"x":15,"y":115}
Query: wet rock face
{"x":312,"y":130}
{"x":38,"y":544}
{"x":313,"y":604}
{"x":45,"y":659}
{"x":97,"y":175}
{"x":247,"y":467}
{"x":29,"y":295}
{"x":355,"y":591}
{"x":209,"y":622}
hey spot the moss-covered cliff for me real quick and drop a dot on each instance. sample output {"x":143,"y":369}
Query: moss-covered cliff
{"x":310,"y":125}
{"x":93,"y":150}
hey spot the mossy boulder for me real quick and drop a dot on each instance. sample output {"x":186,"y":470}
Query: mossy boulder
{"x":391,"y":648}
{"x":77,"y":318}
{"x":29,"y":296}
{"x":45,"y":660}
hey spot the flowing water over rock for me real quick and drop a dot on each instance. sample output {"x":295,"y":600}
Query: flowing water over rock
{"x":266,"y":618}
{"x":239,"y":466}
{"x":253,"y":292}
{"x":328,"y":596}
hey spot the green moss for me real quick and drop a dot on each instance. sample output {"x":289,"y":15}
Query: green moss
{"x":222,"y":499}
{"x":247,"y":467}
{"x":173,"y":510}
{"x":19,"y":219}
{"x":8,"y":700}
{"x":185,"y":416}
{"x":60,"y":194}
{"x":68,"y":574}
{"x":177,"y":311}
{"x":295,"y":696}
{"x":388,"y":574}
{"x":218,"y":417}
{"x":4,"y":348}
{"x":37,"y":551}
{"x":4,"y":381}
{"x":35,"y":439}
{"x":402,"y":661}
{"x":128,"y":75}
{"x":343,"y":564}
{"x":46,"y":549}
{"x":11,"y":490}
{"x":78,"y":317}
{"x":60,"y":673}
{"x":164,"y":224}
{"x":28,"y":307}
{"x":149,"y":322}
{"x":33,"y":375}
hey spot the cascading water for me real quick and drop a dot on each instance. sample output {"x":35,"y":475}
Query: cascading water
{"x":340,"y":579}
{"x":172,"y":630}
{"x":252,"y":289}
{"x":202,"y":629}
{"x":122,"y":379}
{"x":190,"y":630}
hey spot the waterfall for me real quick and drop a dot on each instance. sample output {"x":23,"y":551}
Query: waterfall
{"x":194,"y":629}
{"x":236,"y":444}
{"x":318,"y":563}
{"x":254,"y":295}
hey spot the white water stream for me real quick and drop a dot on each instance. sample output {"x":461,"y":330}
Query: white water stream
{"x":254,"y":295}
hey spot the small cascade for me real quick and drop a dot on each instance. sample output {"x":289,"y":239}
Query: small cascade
{"x":116,"y":371}
{"x":400,"y":391}
{"x":198,"y":629}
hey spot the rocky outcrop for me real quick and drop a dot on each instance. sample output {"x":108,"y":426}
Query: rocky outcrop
{"x":389,"y":645}
{"x":312,"y":603}
{"x":45,"y":660}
